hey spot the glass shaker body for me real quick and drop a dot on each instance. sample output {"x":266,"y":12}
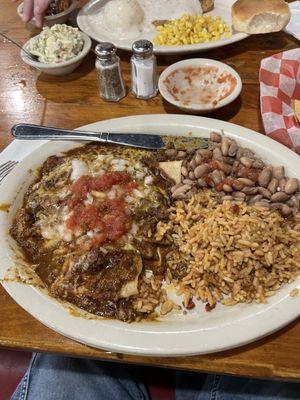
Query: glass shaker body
{"x":110,"y":81}
{"x":143,"y":70}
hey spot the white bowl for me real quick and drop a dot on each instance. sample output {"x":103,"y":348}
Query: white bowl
{"x":50,"y":20}
{"x":64,"y":67}
{"x":178,"y":81}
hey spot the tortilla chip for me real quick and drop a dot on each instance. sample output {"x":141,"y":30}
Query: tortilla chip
{"x":172,"y":169}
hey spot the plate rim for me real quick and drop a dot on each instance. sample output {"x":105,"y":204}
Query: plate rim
{"x":287,"y":313}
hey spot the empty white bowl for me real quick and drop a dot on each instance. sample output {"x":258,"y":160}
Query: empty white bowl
{"x":64,"y":67}
{"x":199,"y":85}
{"x":50,"y":20}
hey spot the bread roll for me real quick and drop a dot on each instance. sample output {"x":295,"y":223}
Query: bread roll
{"x":260,"y":16}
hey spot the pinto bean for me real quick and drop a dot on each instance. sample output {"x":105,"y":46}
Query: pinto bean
{"x":286,"y":210}
{"x":297,"y":195}
{"x":237,"y":185}
{"x":276,"y":206}
{"x":239,"y":153}
{"x":217,"y":176}
{"x":263,"y":203}
{"x":264,"y":192}
{"x":202,"y":183}
{"x":201,"y":170}
{"x":228,"y":160}
{"x":235,"y":164}
{"x":258,"y":164}
{"x":279,"y":197}
{"x":250,"y":190}
{"x":184,"y":171}
{"x":171,"y":152}
{"x":188,"y":182}
{"x":246,"y":161}
{"x":215,"y":137}
{"x":173,"y":188}
{"x":248,"y":153}
{"x":181,"y":154}
{"x":281,"y":185}
{"x":228,"y":197}
{"x":217,"y":154}
{"x":233,"y":148}
{"x":227,"y":188}
{"x":273,"y":185}
{"x":226,"y":168}
{"x":191,"y":175}
{"x":181,"y":190}
{"x":291,"y":185}
{"x":238,"y":195}
{"x":225,"y":143}
{"x":185,"y":163}
{"x":192,"y":164}
{"x":205,"y":153}
{"x":294,"y":202}
{"x":190,"y":151}
{"x":249,"y":173}
{"x":264,"y":177}
{"x":198,"y":159}
{"x":255,"y":199}
{"x":278,"y":172}
{"x":246,"y":181}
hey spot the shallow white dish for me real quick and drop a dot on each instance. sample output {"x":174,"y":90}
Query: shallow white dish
{"x":183,"y":84}
{"x":198,"y":332}
{"x":62,"y":68}
{"x":87,"y":23}
{"x":50,"y":20}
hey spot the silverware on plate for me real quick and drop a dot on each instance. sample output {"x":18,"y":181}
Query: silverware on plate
{"x":6,"y":168}
{"x":141,"y":140}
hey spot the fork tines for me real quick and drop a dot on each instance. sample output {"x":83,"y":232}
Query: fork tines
{"x":6,"y":168}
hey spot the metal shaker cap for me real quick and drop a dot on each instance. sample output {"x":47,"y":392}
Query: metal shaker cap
{"x":142,"y":48}
{"x":105,"y":50}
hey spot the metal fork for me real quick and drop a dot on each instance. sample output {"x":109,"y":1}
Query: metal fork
{"x":6,"y":168}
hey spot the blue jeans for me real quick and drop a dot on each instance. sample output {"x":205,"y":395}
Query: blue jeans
{"x":52,"y":377}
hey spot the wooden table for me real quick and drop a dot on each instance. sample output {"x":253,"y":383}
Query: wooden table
{"x":72,"y":101}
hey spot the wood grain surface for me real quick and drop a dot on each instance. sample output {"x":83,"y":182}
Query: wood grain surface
{"x":72,"y":101}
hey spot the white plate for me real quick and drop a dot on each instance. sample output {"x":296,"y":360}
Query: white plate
{"x":181,"y":84}
{"x":196,"y":333}
{"x":86,"y":22}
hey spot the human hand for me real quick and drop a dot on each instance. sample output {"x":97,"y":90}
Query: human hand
{"x":36,"y":9}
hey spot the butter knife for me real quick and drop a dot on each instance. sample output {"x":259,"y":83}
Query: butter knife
{"x":140,"y":140}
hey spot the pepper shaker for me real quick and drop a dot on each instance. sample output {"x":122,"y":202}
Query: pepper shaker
{"x":111,"y":85}
{"x":143,"y":70}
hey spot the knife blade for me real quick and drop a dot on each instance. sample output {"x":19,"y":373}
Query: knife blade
{"x":139,"y":140}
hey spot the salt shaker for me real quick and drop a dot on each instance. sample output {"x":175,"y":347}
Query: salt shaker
{"x":111,"y":85}
{"x":143,"y":70}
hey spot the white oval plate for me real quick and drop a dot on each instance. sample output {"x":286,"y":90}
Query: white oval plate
{"x":198,"y":332}
{"x":87,"y":23}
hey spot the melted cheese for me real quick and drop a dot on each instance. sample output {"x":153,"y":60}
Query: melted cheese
{"x":79,"y":168}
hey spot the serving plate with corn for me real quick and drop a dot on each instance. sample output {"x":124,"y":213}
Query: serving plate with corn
{"x":187,"y":34}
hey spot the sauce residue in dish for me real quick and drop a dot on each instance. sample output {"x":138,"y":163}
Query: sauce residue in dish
{"x":203,"y":86}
